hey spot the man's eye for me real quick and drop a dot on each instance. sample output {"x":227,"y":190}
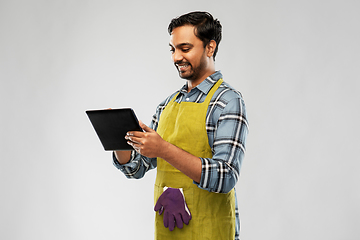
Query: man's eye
{"x":172,"y":50}
{"x":186,"y":49}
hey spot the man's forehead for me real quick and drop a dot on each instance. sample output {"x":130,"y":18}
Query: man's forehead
{"x":183,"y":35}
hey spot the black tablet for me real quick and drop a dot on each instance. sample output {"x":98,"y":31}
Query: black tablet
{"x":111,"y":126}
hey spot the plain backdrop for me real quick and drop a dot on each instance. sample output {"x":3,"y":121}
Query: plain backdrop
{"x":295,"y":62}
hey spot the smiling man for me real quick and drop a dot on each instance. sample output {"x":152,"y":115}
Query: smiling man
{"x":196,"y":141}
{"x":193,"y":60}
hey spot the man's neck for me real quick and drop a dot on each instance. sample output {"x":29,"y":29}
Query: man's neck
{"x":193,"y":83}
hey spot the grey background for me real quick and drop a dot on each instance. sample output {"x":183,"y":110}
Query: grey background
{"x":295,"y":62}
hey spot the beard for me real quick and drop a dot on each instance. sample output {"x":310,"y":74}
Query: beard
{"x":191,"y":73}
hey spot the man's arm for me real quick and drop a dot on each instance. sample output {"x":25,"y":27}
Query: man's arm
{"x":122,"y":156}
{"x":228,"y":130}
{"x":217,"y":174}
{"x":132,"y":164}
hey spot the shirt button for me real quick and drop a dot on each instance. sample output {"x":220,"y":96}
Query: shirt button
{"x":187,"y":99}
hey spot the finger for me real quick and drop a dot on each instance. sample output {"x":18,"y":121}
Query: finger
{"x":179,"y":221}
{"x":171,"y":222}
{"x":135,"y":133}
{"x":185,"y":217}
{"x":145,"y":128}
{"x":136,"y":147}
{"x":158,"y":206}
{"x":134,"y":139}
{"x":166,"y":219}
{"x":161,"y":210}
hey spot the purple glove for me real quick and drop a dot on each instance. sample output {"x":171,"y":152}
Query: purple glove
{"x":172,"y":203}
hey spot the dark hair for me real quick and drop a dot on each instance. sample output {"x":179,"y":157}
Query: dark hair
{"x":206,"y":27}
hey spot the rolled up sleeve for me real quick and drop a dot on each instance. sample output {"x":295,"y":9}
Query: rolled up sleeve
{"x":221,"y":172}
{"x":137,"y":166}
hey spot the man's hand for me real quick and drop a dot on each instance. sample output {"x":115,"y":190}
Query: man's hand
{"x":150,"y":144}
{"x":147,"y":143}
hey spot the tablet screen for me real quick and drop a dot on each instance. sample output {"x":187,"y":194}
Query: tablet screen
{"x":111,"y":126}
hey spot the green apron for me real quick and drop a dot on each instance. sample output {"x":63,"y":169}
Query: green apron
{"x":213,"y":214}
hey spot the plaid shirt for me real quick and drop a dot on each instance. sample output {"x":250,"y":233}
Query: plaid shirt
{"x":227,"y":129}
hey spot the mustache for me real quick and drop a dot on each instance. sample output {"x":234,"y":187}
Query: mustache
{"x":182,"y":62}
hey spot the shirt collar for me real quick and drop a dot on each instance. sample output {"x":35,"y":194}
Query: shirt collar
{"x":207,"y":84}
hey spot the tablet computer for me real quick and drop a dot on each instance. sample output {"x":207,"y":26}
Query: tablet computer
{"x":111,"y":126}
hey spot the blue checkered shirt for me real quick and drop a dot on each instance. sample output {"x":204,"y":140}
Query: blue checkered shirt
{"x":227,"y":129}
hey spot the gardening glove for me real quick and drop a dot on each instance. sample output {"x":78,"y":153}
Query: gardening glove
{"x":172,"y":203}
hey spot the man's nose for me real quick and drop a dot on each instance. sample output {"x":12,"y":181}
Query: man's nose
{"x":177,"y":56}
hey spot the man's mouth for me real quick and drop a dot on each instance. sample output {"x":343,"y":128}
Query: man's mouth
{"x":182,"y":67}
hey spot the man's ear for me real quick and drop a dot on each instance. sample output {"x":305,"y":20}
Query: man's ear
{"x":210,"y":48}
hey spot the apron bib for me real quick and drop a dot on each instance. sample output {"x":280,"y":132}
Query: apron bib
{"x":213,"y":214}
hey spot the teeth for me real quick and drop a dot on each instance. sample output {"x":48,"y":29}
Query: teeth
{"x":183,"y":66}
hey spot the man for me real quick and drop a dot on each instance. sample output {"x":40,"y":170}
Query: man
{"x":196,"y":140}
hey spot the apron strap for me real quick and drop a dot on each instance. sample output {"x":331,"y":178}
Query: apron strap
{"x":212,"y":91}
